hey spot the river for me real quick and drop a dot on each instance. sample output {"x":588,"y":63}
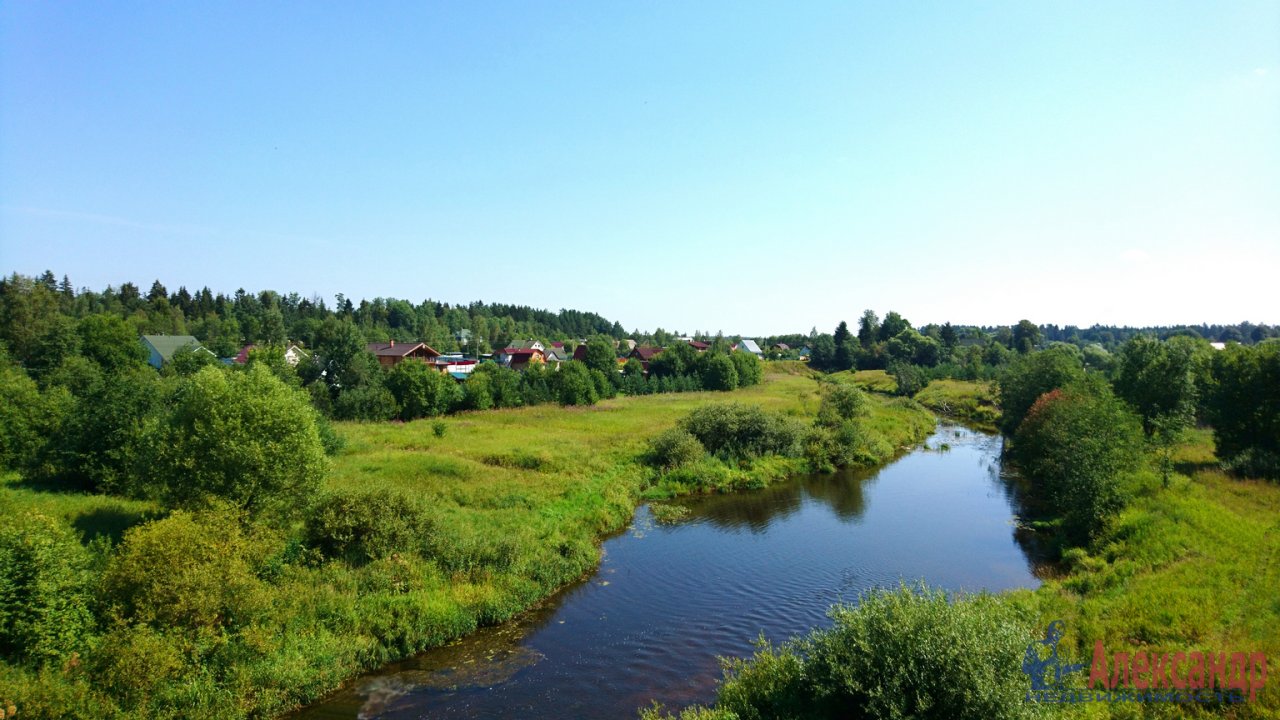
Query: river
{"x":669,"y":598}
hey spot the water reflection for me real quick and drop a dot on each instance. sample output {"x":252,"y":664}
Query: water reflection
{"x":669,"y":599}
{"x":842,"y":492}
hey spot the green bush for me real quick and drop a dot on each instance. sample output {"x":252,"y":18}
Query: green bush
{"x":734,"y":431}
{"x":1074,"y":445}
{"x":244,"y":438}
{"x":44,"y":589}
{"x":841,"y":402}
{"x":362,"y":526}
{"x":188,"y":571}
{"x":898,"y":654}
{"x":674,"y":448}
{"x":908,"y":379}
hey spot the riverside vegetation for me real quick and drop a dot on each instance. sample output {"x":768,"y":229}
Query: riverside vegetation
{"x":206,"y":543}
{"x":145,"y":598}
{"x":1166,"y":537}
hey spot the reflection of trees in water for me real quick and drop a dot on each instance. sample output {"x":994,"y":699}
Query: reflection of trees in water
{"x":843,"y":492}
{"x":1017,"y":491}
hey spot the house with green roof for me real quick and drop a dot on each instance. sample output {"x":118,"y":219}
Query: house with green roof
{"x":160,"y":348}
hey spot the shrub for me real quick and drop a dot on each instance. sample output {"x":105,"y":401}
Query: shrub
{"x":674,"y":448}
{"x":362,"y":526}
{"x":1074,"y":445}
{"x":245,"y":438}
{"x":840,"y":403}
{"x":731,"y":430}
{"x":44,"y":600}
{"x":898,"y":654}
{"x":908,"y":379}
{"x":188,"y":571}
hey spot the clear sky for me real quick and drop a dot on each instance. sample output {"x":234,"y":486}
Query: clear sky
{"x":749,"y":167}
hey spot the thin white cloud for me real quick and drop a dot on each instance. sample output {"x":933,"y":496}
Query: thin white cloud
{"x":1135,"y":255}
{"x":108,"y":220}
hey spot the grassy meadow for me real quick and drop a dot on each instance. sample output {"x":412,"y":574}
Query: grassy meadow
{"x":1191,"y":566}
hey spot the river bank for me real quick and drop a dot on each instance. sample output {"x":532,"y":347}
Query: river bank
{"x":669,"y":598}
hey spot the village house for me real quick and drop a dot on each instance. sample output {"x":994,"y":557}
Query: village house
{"x":391,"y":353}
{"x":644,"y":354}
{"x":699,"y":345}
{"x":160,"y":348}
{"x":749,"y":346}
{"x":293,"y":355}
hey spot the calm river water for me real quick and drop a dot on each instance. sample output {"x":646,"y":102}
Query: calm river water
{"x":668,"y":599}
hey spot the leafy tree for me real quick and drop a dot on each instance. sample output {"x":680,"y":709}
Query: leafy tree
{"x":844,"y":356}
{"x":910,"y":346}
{"x":949,"y":340}
{"x":1031,"y":376}
{"x":477,"y":391}
{"x":633,"y":368}
{"x":720,"y":373}
{"x":600,"y":355}
{"x":420,"y":391}
{"x":868,"y":329}
{"x":535,"y":384}
{"x":677,"y":359}
{"x":98,"y":444}
{"x":187,"y":361}
{"x":1158,"y":380}
{"x":245,"y":438}
{"x":734,"y":431}
{"x":503,"y":384}
{"x":892,"y":325}
{"x":1244,"y":408}
{"x":110,"y":342}
{"x":750,"y":369}
{"x":1026,"y":336}
{"x":371,"y":401}
{"x":27,"y":416}
{"x":1074,"y":444}
{"x":823,"y":354}
{"x":573,"y":385}
{"x":674,"y":448}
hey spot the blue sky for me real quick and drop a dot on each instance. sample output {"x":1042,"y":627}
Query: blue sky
{"x":752,"y":168}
